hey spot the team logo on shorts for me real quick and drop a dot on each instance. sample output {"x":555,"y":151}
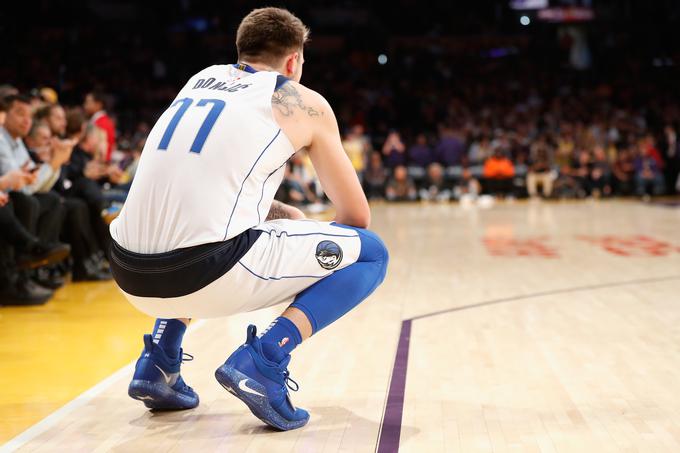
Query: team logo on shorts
{"x":328,"y":254}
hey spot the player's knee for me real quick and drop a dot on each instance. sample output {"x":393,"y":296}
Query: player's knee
{"x":373,"y":250}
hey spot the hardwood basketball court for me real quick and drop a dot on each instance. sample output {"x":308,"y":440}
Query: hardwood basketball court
{"x":546,"y":327}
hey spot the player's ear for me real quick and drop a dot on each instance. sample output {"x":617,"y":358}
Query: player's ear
{"x":291,"y":63}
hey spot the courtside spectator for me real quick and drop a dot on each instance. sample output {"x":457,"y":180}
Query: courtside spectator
{"x":394,"y":150}
{"x":77,"y":231}
{"x":95,"y":105}
{"x":401,"y":187}
{"x":467,"y":186}
{"x":671,"y":154}
{"x":450,"y":149}
{"x":480,"y":151}
{"x":55,"y":117}
{"x":540,"y":169}
{"x":375,"y":177}
{"x":420,"y":154}
{"x":80,"y":175}
{"x":600,"y":173}
{"x":580,"y":172}
{"x":41,"y":213}
{"x":436,"y":187}
{"x":357,"y":146}
{"x":498,"y":173}
{"x":648,"y":176}
{"x":623,"y":172}
{"x":21,"y":250}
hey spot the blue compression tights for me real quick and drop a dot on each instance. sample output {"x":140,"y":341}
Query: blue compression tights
{"x":330,"y":298}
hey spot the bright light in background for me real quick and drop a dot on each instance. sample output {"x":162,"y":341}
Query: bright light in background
{"x":382,"y":58}
{"x":524,"y":20}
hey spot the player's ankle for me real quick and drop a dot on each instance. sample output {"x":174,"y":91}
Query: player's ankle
{"x":273,"y":352}
{"x":167,"y":336}
{"x":281,"y":334}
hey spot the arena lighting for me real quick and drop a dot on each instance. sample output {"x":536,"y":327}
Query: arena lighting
{"x":382,"y":59}
{"x":528,"y":4}
{"x":524,"y":20}
{"x":569,"y":14}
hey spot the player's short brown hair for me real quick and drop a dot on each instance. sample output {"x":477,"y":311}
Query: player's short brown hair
{"x":268,"y":34}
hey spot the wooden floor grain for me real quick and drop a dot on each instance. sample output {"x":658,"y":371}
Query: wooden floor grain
{"x":537,"y":327}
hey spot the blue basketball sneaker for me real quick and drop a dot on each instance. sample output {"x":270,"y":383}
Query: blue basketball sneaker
{"x":262,"y":384}
{"x":157,"y":382}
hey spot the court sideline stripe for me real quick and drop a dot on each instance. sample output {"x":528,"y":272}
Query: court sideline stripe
{"x":79,"y":401}
{"x":389,"y":434}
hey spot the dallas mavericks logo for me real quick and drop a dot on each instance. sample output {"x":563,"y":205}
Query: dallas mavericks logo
{"x":328,"y":254}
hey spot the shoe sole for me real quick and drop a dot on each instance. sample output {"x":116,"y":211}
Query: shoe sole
{"x":160,"y":396}
{"x":229,"y":378}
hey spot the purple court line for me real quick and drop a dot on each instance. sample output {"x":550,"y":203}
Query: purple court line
{"x":390,"y":431}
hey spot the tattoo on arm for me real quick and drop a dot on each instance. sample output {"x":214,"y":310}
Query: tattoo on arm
{"x":286,"y":99}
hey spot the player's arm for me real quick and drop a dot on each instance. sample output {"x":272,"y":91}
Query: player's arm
{"x":309,"y":122}
{"x":335,"y":171}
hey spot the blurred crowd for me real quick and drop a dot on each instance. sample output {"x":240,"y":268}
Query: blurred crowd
{"x":534,"y":149}
{"x":444,"y":103}
{"x":61,"y":179}
{"x":65,"y":172}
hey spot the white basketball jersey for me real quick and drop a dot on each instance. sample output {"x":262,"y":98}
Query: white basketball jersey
{"x":210,"y":166}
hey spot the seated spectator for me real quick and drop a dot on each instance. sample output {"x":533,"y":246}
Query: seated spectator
{"x":623,"y":172}
{"x":87,"y":257}
{"x":648,"y":175}
{"x":95,"y":106}
{"x":451,"y":149}
{"x":44,"y":149}
{"x":580,"y":173}
{"x":40,"y":212}
{"x":400,"y":187}
{"x":600,"y":173}
{"x":480,"y":151}
{"x":648,"y":147}
{"x":79,"y":177}
{"x":293,"y":190}
{"x":357,"y":147}
{"x":54,"y":116}
{"x":5,"y":92}
{"x":671,"y":155}
{"x":21,"y":250}
{"x":420,"y":154}
{"x":119,"y":192}
{"x":375,"y":177}
{"x":498,"y":173}
{"x":540,"y":170}
{"x":13,"y":152}
{"x":436,"y":187}
{"x":467,"y":186}
{"x":394,"y":150}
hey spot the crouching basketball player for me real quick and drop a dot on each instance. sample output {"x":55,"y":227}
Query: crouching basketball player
{"x":195,"y":239}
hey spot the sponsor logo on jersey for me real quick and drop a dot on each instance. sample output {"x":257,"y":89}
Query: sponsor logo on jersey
{"x":328,"y":254}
